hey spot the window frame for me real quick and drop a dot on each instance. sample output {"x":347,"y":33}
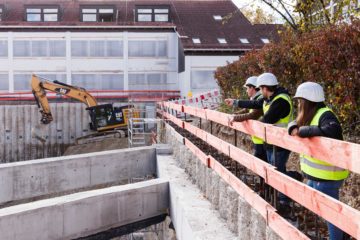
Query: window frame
{"x":42,"y":14}
{"x":265,"y":40}
{"x":244,"y":40}
{"x":216,"y":17}
{"x":222,"y":40}
{"x":152,"y":14}
{"x":97,"y":14}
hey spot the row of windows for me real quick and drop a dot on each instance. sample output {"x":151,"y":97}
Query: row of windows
{"x":200,"y":79}
{"x":84,"y":48}
{"x":97,"y":81}
{"x":52,"y":13}
{"x":223,"y":40}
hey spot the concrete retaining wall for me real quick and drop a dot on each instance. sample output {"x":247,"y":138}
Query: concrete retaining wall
{"x":85,"y":213}
{"x":241,"y":219}
{"x":71,"y":121}
{"x":35,"y":178}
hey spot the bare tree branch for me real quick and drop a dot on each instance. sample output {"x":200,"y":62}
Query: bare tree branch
{"x":291,"y":23}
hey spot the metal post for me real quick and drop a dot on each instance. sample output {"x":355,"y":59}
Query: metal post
{"x":235,"y":140}
{"x":211,"y":127}
{"x":200,"y":123}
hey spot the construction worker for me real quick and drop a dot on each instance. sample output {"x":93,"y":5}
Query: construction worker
{"x":278,"y":110}
{"x":254,"y":94}
{"x":316,"y":119}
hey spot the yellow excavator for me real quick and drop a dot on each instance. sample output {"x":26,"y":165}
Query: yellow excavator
{"x":103,"y":117}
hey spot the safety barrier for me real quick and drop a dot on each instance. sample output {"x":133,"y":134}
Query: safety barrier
{"x":206,"y":100}
{"x":336,"y":212}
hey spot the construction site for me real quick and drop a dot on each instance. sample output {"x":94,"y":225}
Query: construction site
{"x":169,"y":176}
{"x":122,"y":120}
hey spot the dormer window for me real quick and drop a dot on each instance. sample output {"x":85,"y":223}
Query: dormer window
{"x":152,"y":14}
{"x":42,"y":14}
{"x":97,"y":14}
{"x":217,"y":17}
{"x":1,"y":13}
{"x":244,"y":40}
{"x":196,"y":40}
{"x":265,"y":40}
{"x":222,"y":40}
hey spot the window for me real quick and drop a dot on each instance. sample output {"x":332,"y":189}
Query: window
{"x":203,"y":80}
{"x":217,"y":17}
{"x":196,"y":40}
{"x":4,"y":82}
{"x":3,"y":48}
{"x":22,"y":80}
{"x":97,"y":48}
{"x":97,"y":14}
{"x":39,"y":48}
{"x":244,"y":40}
{"x":152,"y":14}
{"x":1,"y":13}
{"x":148,"y":81}
{"x":99,"y":81}
{"x":265,"y":40}
{"x":222,"y":40}
{"x":42,"y":14}
{"x":147,"y":48}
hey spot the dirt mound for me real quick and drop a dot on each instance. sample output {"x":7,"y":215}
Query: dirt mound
{"x":104,"y":145}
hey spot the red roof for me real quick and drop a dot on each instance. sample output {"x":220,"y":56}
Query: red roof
{"x":191,"y":19}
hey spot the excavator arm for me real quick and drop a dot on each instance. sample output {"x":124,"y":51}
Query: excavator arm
{"x":39,"y":87}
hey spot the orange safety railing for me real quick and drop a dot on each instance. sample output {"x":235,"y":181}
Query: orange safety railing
{"x":340,"y":153}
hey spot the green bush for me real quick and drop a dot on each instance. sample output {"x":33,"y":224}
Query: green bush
{"x":329,"y":56}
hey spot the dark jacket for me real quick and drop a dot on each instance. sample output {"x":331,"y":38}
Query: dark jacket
{"x":329,"y":126}
{"x":278,"y":109}
{"x":246,"y":115}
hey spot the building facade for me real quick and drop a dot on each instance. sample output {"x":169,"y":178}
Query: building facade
{"x":122,"y":45}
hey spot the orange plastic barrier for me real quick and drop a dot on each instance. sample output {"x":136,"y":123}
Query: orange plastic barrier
{"x":338,"y":213}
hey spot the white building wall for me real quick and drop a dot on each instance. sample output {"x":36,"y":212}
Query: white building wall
{"x":204,"y":64}
{"x":69,"y":65}
{"x":162,"y":69}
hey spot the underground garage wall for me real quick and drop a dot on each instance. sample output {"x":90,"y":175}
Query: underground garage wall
{"x":71,"y":121}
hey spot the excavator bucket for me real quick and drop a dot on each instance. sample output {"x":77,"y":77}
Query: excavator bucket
{"x":39,"y":132}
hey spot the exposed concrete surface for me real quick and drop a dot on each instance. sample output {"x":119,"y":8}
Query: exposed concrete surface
{"x":190,"y":212}
{"x":85,"y":213}
{"x":240,"y":218}
{"x":23,"y":180}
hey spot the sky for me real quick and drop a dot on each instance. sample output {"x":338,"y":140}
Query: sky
{"x":254,"y":4}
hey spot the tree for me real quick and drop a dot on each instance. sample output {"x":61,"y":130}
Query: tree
{"x":305,"y":15}
{"x":259,"y":16}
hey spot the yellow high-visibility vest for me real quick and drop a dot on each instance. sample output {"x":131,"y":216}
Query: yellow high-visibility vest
{"x":316,"y":167}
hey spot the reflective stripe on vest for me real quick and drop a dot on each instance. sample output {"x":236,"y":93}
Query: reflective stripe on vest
{"x":256,"y":140}
{"x":283,"y":122}
{"x":316,"y":167}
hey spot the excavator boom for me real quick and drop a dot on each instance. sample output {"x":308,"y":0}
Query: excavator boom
{"x":39,"y":87}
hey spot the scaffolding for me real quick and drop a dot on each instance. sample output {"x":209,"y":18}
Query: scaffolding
{"x":143,"y":126}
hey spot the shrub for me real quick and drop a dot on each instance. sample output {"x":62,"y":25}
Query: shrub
{"x":329,"y":56}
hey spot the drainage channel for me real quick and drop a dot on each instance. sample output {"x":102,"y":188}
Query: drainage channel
{"x":148,"y":229}
{"x":305,"y":220}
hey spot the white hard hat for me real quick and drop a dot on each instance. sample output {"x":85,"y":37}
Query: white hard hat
{"x":251,"y":81}
{"x":310,"y":91}
{"x":267,"y":79}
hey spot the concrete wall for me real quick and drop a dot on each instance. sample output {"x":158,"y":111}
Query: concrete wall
{"x":245,"y":222}
{"x":85,"y":213}
{"x":36,"y":178}
{"x":71,"y":121}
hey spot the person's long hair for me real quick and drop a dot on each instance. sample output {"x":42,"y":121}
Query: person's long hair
{"x":306,"y":112}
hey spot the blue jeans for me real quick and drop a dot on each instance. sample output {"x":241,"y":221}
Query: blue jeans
{"x":260,"y":152}
{"x":281,"y":159}
{"x":330,"y":188}
{"x":280,"y":163}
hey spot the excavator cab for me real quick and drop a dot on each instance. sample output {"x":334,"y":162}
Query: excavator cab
{"x":104,"y":117}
